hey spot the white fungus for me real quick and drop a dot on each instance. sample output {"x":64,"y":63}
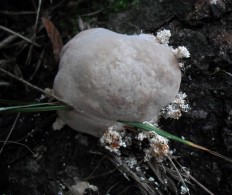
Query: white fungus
{"x":138,"y":169}
{"x":112,"y":140}
{"x":159,"y":147}
{"x":111,"y":76}
{"x":131,"y":162}
{"x":151,"y":179}
{"x":184,"y":190}
{"x":163,"y":36}
{"x":80,"y":187}
{"x":213,"y":2}
{"x":141,"y":136}
{"x":175,"y":109}
{"x":58,"y":124}
{"x":181,"y":52}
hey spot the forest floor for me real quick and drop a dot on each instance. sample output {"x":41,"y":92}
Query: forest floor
{"x":38,"y":160}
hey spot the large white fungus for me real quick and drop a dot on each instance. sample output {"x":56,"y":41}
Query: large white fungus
{"x":111,"y":76}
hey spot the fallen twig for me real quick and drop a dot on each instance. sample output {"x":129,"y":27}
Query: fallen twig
{"x":35,"y":30}
{"x":181,"y":178}
{"x":7,"y":41}
{"x":17,"y":13}
{"x":12,"y":128}
{"x":93,"y":13}
{"x":39,"y":62}
{"x":118,"y":163}
{"x":19,"y":35}
{"x":47,"y":93}
{"x":194,"y":179}
{"x":13,"y":142}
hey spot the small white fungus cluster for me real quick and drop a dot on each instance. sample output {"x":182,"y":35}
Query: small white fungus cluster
{"x":81,"y":186}
{"x":163,"y":36}
{"x":58,"y":124}
{"x":213,"y":2}
{"x":131,"y":162}
{"x":159,"y":147}
{"x":175,"y":109}
{"x":181,"y":52}
{"x":184,"y":190}
{"x":112,"y":140}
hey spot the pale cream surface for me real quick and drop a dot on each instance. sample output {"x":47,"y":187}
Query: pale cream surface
{"x":110,"y":76}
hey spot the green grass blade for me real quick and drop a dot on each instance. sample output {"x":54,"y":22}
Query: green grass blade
{"x":23,"y":106}
{"x":37,"y":107}
{"x":148,"y":127}
{"x":41,"y":109}
{"x":170,"y":136}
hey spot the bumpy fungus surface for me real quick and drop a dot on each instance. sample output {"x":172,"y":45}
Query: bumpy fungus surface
{"x":111,"y":76}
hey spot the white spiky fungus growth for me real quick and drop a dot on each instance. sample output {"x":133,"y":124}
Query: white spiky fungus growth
{"x":184,"y":190}
{"x":163,"y":36}
{"x":175,"y":109}
{"x":141,"y":136}
{"x":112,"y":140}
{"x":81,"y":186}
{"x":159,"y":147}
{"x":181,"y":65}
{"x":131,"y":162}
{"x":213,"y":2}
{"x":181,"y":52}
{"x":151,"y":179}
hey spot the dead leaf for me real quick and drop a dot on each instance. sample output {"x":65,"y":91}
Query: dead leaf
{"x":54,"y":37}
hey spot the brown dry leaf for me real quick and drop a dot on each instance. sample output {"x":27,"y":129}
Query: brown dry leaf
{"x":54,"y":36}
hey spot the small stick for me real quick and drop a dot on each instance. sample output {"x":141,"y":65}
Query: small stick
{"x":12,"y":128}
{"x":93,"y":13}
{"x":13,"y":142}
{"x":17,"y":13}
{"x":194,"y":179}
{"x":118,"y":163}
{"x":7,"y":41}
{"x":41,"y":90}
{"x":226,"y":72}
{"x":38,"y":64}
{"x":19,"y":35}
{"x":181,"y":178}
{"x":37,"y":16}
{"x":35,"y":30}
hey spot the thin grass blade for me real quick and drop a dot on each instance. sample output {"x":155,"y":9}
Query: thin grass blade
{"x":37,"y":107}
{"x":170,"y":136}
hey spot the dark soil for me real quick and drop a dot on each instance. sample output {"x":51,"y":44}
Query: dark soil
{"x":66,"y":156}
